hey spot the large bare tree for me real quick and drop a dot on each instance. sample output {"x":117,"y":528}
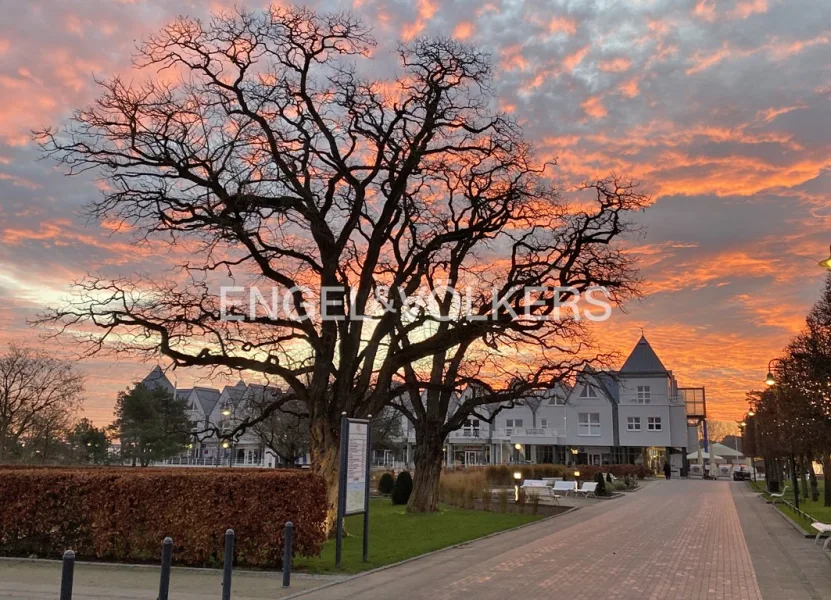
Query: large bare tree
{"x":37,"y":393}
{"x":282,"y":164}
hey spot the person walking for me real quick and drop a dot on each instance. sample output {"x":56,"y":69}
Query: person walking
{"x":667,"y":471}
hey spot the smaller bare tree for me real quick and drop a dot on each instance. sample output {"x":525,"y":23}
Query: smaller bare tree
{"x":284,"y":430}
{"x":33,"y":386}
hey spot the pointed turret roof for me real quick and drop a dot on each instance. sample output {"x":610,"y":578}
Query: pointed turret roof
{"x":157,"y":379}
{"x":643,"y":360}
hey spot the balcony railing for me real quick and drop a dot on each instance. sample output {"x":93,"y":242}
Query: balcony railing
{"x":541,"y":432}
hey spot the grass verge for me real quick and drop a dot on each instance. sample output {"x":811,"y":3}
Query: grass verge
{"x":395,"y":535}
{"x":816,"y":510}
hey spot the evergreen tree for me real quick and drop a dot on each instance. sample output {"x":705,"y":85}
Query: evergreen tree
{"x":151,"y":424}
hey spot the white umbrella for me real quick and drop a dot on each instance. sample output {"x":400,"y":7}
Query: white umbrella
{"x":695,"y":456}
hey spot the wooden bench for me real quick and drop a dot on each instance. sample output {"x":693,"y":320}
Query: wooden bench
{"x":539,"y":487}
{"x":822,"y":528}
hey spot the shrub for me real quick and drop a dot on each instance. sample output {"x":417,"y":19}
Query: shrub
{"x":534,"y":501}
{"x":403,"y":488}
{"x":520,"y":500}
{"x":487,"y":496}
{"x":601,"y":484}
{"x":619,"y":485}
{"x":385,"y":484}
{"x":609,"y":477}
{"x":123,"y":514}
{"x":503,"y":500}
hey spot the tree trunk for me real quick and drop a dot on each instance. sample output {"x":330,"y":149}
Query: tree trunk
{"x":324,"y":448}
{"x":800,"y":464}
{"x":826,"y":469}
{"x":428,"y":457}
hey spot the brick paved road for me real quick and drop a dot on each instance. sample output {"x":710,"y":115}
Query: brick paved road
{"x":672,"y":540}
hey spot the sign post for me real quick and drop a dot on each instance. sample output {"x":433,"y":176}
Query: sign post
{"x":353,"y":479}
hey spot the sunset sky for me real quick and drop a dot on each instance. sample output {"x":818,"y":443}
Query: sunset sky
{"x":721,"y":110}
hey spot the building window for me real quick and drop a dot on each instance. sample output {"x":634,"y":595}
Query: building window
{"x":545,"y":454}
{"x":543,"y":423}
{"x":511,"y":424}
{"x":633,"y":423}
{"x":471,"y":428}
{"x":654,"y":423}
{"x":588,"y":424}
{"x":557,"y":401}
{"x":644,"y":394}
{"x":588,"y":391}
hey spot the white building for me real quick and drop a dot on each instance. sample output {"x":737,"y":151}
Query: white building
{"x":636,"y":415}
{"x":212,"y":409}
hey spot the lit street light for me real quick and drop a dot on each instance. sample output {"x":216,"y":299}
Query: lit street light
{"x":826,"y":264}
{"x":517,"y":479}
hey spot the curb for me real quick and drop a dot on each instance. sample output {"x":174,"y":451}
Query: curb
{"x":155,"y":567}
{"x":426,"y":554}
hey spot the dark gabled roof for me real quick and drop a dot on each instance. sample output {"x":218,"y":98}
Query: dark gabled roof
{"x":608,"y":380}
{"x":183,"y":393}
{"x":207,"y":398}
{"x":156,"y":379}
{"x":643,"y":361}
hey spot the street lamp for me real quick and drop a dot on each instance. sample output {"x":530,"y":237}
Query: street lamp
{"x":226,"y":410}
{"x":517,"y":448}
{"x":517,"y":479}
{"x":751,"y":413}
{"x":770,"y":380}
{"x":826,"y":264}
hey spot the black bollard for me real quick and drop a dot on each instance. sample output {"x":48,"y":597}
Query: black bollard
{"x":229,"y":563}
{"x":167,"y":557}
{"x":287,"y":541}
{"x":67,"y":575}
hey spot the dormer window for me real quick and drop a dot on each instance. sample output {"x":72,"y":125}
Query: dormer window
{"x":588,"y":391}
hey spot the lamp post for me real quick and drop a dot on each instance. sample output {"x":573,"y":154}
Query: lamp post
{"x":517,"y":479}
{"x":775,"y":365}
{"x":574,"y":453}
{"x":517,"y":448}
{"x":226,"y":411}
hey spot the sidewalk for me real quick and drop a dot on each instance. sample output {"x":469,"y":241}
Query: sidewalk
{"x":788,"y":565}
{"x":41,"y":580}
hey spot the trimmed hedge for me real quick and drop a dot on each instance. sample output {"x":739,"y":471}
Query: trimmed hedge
{"x":122,"y":514}
{"x":504,"y":474}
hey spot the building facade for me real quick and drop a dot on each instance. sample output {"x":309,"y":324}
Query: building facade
{"x":211,"y":410}
{"x":636,"y":415}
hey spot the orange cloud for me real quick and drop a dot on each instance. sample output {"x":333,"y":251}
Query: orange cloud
{"x":629,"y":88}
{"x":594,"y":108}
{"x":562,"y":25}
{"x":750,"y":7}
{"x":463,"y":30}
{"x":615,"y":65}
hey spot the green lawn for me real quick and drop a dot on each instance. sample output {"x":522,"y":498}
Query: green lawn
{"x":395,"y":535}
{"x":815,"y":509}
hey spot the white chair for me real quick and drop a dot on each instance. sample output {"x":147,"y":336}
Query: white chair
{"x":589,"y":488}
{"x":822,"y":528}
{"x":778,"y":496}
